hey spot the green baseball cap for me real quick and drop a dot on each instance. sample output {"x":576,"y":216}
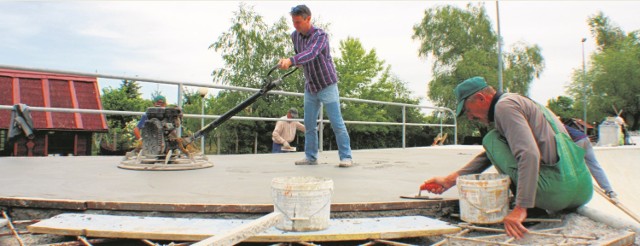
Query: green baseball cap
{"x":159,"y":98}
{"x":466,"y":89}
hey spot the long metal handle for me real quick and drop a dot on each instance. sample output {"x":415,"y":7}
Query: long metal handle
{"x":239,"y":107}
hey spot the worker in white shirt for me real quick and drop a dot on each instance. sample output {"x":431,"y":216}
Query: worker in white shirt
{"x":285,"y":131}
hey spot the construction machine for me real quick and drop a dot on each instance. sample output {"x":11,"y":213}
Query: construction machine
{"x":163,"y":149}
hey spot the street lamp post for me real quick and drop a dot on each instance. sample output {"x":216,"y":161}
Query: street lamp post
{"x":500,"y":89}
{"x":203,"y":92}
{"x":584,"y":86}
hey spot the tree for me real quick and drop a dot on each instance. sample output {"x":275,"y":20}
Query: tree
{"x":356,"y":67}
{"x":125,"y":98}
{"x":563,"y":107}
{"x":249,"y":49}
{"x":613,"y":76}
{"x":606,"y":33}
{"x":463,"y":45}
{"x":363,"y":75}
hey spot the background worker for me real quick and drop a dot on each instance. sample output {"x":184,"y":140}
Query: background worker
{"x":158,"y":101}
{"x":595,"y":169}
{"x":321,"y":85}
{"x":624,"y":134}
{"x":285,"y":131}
{"x":528,"y":144}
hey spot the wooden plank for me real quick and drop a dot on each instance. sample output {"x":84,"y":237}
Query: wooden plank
{"x":617,"y":204}
{"x":242,"y":232}
{"x":212,"y":208}
{"x":28,"y":202}
{"x":191,"y":229}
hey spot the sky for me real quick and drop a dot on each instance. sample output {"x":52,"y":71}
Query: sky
{"x":169,"y":40}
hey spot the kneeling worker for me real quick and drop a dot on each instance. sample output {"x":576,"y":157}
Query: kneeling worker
{"x":530,"y":145}
{"x":285,"y":131}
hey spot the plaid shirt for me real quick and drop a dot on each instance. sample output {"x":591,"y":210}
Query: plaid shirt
{"x":314,"y":54}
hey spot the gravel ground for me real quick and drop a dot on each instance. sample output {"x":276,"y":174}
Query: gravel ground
{"x":572,"y":224}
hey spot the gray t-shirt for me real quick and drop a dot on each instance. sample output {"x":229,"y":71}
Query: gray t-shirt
{"x":530,"y":138}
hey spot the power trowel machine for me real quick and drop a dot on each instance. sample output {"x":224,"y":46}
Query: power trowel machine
{"x":162,"y":147}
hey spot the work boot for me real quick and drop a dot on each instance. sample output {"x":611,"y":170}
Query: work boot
{"x":345,"y":163}
{"x":306,"y":161}
{"x":611,"y":194}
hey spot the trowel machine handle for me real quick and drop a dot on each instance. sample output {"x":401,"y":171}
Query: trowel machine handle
{"x":268,"y":84}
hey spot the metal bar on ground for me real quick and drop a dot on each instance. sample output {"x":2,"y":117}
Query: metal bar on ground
{"x":147,"y":242}
{"x":505,"y":235}
{"x":77,"y":243}
{"x":392,"y":243}
{"x":573,"y":243}
{"x":243,"y":232}
{"x":479,"y":240}
{"x":10,"y":233}
{"x":461,"y":233}
{"x":530,"y":232}
{"x":509,"y":240}
{"x":370,"y":243}
{"x":528,"y":219}
{"x":13,"y":230}
{"x":84,"y":240}
{"x":617,"y":204}
{"x":307,"y":243}
{"x":17,"y":222}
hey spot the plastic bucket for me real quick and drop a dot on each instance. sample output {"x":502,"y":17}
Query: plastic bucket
{"x":483,"y":197}
{"x":305,"y":202}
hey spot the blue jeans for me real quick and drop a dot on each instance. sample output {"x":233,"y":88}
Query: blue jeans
{"x":330,"y":98}
{"x":276,"y":148}
{"x":594,"y":166}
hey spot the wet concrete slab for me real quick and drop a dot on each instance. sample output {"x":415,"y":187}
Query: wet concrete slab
{"x":378,"y":176}
{"x":381,"y":175}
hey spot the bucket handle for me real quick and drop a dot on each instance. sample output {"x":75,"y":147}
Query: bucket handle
{"x":488,"y":211}
{"x":304,"y":218}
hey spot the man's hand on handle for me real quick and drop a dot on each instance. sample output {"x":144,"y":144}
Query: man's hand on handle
{"x":284,"y":63}
{"x":286,"y":145}
{"x":513,"y":222}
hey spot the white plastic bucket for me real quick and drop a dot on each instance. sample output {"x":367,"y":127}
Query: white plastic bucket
{"x":305,"y":202}
{"x":483,"y":197}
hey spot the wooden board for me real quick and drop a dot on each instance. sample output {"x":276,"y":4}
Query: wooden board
{"x":292,"y":149}
{"x":241,"y":233}
{"x":186,"y":229}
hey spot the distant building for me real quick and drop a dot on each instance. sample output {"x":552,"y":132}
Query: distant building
{"x":580,"y":125}
{"x":55,"y":133}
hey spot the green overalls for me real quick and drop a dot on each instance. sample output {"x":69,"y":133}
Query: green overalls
{"x":564,"y":185}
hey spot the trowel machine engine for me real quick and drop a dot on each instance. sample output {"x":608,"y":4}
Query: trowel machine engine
{"x":163,"y":147}
{"x":160,"y":131}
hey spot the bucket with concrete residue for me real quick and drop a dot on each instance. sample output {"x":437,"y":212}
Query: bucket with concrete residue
{"x":305,"y":202}
{"x":483,"y":197}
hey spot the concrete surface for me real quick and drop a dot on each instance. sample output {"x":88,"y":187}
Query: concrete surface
{"x":622,"y":165}
{"x":378,"y":176}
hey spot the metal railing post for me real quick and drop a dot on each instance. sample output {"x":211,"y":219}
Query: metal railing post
{"x":404,"y":126}
{"x":320,"y":127}
{"x":179,"y":103}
